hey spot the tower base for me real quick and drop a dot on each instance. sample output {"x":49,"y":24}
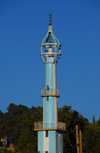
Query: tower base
{"x":50,"y":141}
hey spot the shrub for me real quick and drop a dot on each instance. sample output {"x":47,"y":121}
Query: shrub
{"x":9,"y":151}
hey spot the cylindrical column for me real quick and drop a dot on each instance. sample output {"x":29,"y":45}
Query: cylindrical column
{"x":50,"y":102}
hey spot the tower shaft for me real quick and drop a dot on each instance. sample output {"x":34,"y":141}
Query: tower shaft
{"x":50,"y":131}
{"x":50,"y":102}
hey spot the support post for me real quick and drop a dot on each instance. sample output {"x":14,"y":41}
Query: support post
{"x":80,"y":133}
{"x":77,"y":139}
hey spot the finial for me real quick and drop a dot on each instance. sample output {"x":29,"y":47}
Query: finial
{"x":50,"y":19}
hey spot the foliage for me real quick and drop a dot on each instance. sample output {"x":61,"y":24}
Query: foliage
{"x":9,"y":151}
{"x":28,"y":140}
{"x":3,"y":150}
{"x":98,"y":122}
{"x":18,"y":125}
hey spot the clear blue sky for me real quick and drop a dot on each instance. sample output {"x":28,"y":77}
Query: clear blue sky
{"x":76,"y":24}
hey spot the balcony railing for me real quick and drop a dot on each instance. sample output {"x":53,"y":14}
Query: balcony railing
{"x":50,"y":92}
{"x":42,"y":125}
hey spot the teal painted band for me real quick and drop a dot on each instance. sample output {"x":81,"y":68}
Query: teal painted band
{"x":49,"y":106}
{"x":40,"y":141}
{"x":52,"y":141}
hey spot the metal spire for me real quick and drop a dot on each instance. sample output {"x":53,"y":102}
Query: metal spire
{"x":50,"y":15}
{"x":50,"y":41}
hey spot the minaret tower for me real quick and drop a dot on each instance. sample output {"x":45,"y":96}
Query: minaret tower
{"x":50,"y":131}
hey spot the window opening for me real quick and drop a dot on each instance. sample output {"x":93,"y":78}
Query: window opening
{"x":47,"y":98}
{"x":46,"y":133}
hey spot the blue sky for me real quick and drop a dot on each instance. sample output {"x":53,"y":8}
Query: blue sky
{"x":76,"y":24}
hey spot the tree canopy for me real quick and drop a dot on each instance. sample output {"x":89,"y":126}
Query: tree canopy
{"x":18,"y":125}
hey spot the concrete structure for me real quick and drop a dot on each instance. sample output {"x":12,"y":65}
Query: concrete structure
{"x":50,"y":131}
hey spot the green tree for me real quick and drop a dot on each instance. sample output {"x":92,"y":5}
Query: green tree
{"x":18,"y":125}
{"x":11,"y":121}
{"x":2,"y":121}
{"x":9,"y":151}
{"x":27,"y":141}
{"x":91,"y":139}
{"x":93,"y":120}
{"x":98,"y":122}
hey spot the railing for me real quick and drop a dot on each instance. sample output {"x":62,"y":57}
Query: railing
{"x":57,"y":125}
{"x":55,"y":92}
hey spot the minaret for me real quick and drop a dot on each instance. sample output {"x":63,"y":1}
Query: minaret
{"x":50,"y":131}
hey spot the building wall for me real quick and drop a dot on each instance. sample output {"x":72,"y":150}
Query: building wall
{"x":40,"y":141}
{"x":59,"y":140}
{"x":45,"y":141}
{"x":50,"y":104}
{"x":53,"y":143}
